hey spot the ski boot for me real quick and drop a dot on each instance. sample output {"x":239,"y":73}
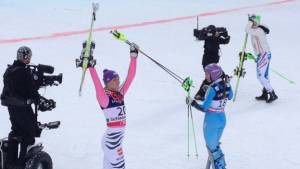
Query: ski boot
{"x":264,"y":95}
{"x":217,"y":159}
{"x":272,"y":97}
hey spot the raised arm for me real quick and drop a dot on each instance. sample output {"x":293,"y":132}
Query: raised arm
{"x":130,"y":75}
{"x":102,"y":97}
{"x":134,"y":50}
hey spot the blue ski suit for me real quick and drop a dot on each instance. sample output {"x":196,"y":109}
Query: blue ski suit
{"x":215,"y":120}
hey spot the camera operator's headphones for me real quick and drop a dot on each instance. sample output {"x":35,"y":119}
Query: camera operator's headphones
{"x":24,"y":53}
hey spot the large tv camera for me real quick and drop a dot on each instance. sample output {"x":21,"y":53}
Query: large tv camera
{"x":41,"y":80}
{"x":209,"y":31}
{"x":10,"y":98}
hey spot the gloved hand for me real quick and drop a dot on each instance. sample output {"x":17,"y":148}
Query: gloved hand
{"x":190,"y":101}
{"x":46,"y":104}
{"x":227,"y":78}
{"x":250,"y":56}
{"x":92,"y":62}
{"x":134,"y":50}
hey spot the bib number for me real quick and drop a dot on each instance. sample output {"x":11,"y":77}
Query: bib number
{"x":222,"y":103}
{"x":122,"y":111}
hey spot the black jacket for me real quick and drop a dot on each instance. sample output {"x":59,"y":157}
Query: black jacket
{"x":211,"y":49}
{"x":21,"y":83}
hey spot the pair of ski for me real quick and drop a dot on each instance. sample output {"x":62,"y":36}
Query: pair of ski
{"x":86,"y":57}
{"x":240,"y":70}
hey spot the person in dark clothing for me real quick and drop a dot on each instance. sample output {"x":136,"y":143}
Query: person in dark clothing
{"x":213,"y":37}
{"x":18,"y":94}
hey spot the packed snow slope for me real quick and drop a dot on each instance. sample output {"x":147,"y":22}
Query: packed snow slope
{"x":257,"y":135}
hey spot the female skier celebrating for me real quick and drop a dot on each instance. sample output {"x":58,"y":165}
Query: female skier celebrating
{"x":215,"y":101}
{"x":111,"y":101}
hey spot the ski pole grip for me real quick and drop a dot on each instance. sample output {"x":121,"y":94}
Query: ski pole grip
{"x":118,"y":35}
{"x":187,"y":83}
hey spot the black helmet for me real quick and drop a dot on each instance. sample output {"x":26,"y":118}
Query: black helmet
{"x":211,"y":29}
{"x":24,"y":53}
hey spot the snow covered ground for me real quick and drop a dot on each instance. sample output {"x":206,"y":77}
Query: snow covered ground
{"x":257,"y":135}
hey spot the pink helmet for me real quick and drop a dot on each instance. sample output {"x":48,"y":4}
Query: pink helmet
{"x":214,"y":70}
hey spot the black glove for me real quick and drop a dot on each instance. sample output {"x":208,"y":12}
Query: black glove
{"x":92,"y":62}
{"x":45,"y":104}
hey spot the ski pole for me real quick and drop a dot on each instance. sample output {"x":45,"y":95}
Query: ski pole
{"x":188,"y":133}
{"x":276,"y":72}
{"x":282,"y":76}
{"x":122,"y":37}
{"x":193,"y":127}
{"x":186,"y":86}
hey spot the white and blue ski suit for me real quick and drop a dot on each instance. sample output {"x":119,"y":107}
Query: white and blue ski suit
{"x":215,"y":120}
{"x":262,"y":51}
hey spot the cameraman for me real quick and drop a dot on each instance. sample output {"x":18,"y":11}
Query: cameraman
{"x":18,"y":94}
{"x":212,"y":37}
